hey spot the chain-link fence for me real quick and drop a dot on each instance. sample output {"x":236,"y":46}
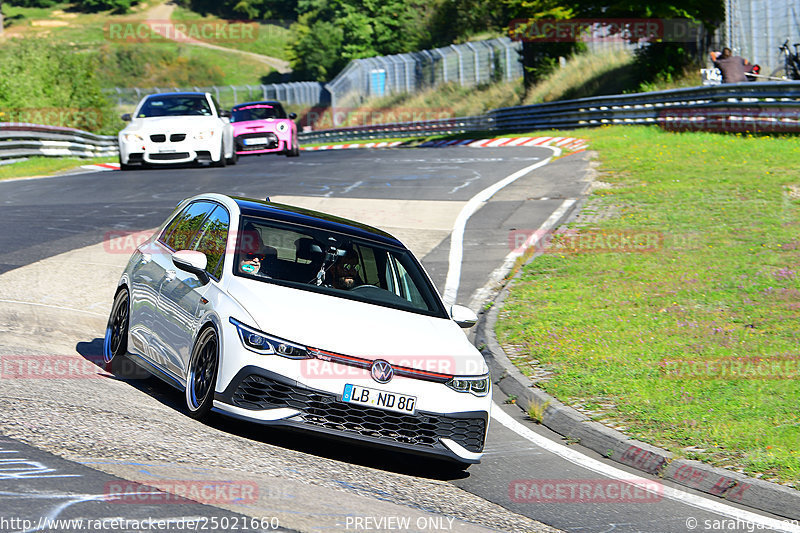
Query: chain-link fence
{"x":304,"y":93}
{"x":465,"y":64}
{"x":755,"y":29}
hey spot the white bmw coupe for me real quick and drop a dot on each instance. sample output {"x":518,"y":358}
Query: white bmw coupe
{"x":279,"y":315}
{"x":173,"y":128}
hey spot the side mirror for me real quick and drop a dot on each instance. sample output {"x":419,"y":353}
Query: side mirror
{"x":463,"y":316}
{"x":292,"y":116}
{"x":193,"y":262}
{"x":224,"y":113}
{"x":126,"y":117}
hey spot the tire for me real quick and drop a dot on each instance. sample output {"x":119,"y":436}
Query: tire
{"x":234,"y":158}
{"x":295,"y":151}
{"x":123,"y":166}
{"x":201,"y":379}
{"x":222,"y":161}
{"x":115,"y":343}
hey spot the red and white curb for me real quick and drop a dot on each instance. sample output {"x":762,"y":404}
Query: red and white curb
{"x":572,"y":144}
{"x":353,"y":145}
{"x":100,"y":167}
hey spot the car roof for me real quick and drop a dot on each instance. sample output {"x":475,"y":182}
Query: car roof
{"x":308,"y":217}
{"x":186,"y":93}
{"x":267,"y":102}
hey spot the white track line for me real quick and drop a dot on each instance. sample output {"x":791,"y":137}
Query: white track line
{"x":671,"y":493}
{"x":457,"y":236}
{"x":480,"y":296}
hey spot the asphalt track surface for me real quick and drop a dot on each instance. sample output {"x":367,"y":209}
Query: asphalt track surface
{"x":46,"y":217}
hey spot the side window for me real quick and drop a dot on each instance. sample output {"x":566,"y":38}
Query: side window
{"x":408,"y":289}
{"x":369,"y":266}
{"x":179,"y":233}
{"x":216,"y":105}
{"x":212,"y":240}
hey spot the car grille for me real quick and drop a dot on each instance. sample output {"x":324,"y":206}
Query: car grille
{"x":169,"y":157}
{"x":158,"y":138}
{"x":272,"y":141}
{"x":177,"y":137}
{"x":325,"y":410}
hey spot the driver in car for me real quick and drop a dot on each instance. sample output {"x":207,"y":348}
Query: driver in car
{"x":346,"y":271}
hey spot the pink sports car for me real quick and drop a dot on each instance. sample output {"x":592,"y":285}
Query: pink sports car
{"x":264,"y":127}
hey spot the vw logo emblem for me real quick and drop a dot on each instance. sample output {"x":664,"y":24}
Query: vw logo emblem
{"x":381,"y":371}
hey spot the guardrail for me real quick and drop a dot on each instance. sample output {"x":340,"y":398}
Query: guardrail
{"x":21,"y":140}
{"x":753,"y":107}
{"x":400,"y":129}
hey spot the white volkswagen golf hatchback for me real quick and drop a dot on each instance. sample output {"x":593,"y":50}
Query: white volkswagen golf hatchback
{"x":279,"y":315}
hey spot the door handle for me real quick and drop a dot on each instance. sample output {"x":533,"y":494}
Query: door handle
{"x":170,"y":275}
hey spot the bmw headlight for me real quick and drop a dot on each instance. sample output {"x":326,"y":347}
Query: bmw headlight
{"x":205,"y":134}
{"x":261,"y":343}
{"x":477,"y":385}
{"x":133,"y":137}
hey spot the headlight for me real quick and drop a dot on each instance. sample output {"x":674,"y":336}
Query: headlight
{"x":479,"y":385}
{"x":282,"y":126}
{"x":205,"y":134}
{"x":261,"y":343}
{"x":133,"y":137}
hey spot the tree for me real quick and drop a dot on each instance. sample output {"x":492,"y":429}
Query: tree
{"x":328,"y":35}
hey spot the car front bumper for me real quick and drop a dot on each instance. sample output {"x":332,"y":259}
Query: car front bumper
{"x":266,"y":142}
{"x":170,"y":152}
{"x":259,"y":395}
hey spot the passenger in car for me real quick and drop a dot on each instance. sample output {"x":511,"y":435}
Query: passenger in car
{"x":253,"y":255}
{"x":346,"y":271}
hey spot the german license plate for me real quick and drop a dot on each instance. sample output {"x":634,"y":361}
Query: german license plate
{"x":255,"y":140}
{"x":389,"y":401}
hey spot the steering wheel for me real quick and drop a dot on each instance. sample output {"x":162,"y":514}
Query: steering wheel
{"x":366,"y":287}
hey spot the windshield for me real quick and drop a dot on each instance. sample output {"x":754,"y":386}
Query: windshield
{"x":257,"y":112}
{"x":333,"y":263}
{"x":171,"y":106}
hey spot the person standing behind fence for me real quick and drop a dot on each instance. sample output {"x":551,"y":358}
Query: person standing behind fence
{"x":732,"y":67}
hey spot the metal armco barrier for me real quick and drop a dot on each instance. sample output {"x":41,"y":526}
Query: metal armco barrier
{"x":399,"y":129}
{"x":753,"y":107}
{"x":21,"y":140}
{"x":765,"y":106}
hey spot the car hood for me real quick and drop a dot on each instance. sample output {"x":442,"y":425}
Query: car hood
{"x":161,"y":124}
{"x":257,"y":125}
{"x":358,"y":329}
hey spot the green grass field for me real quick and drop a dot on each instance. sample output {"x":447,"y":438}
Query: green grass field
{"x":47,"y":166}
{"x":689,"y":342}
{"x":191,"y":65}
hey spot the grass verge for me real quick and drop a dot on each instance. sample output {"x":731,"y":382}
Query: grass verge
{"x":688,"y":341}
{"x":47,"y":166}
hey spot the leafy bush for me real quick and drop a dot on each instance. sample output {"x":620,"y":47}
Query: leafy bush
{"x":154,"y":66}
{"x":46,"y":82}
{"x":117,"y":6}
{"x":32,"y":3}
